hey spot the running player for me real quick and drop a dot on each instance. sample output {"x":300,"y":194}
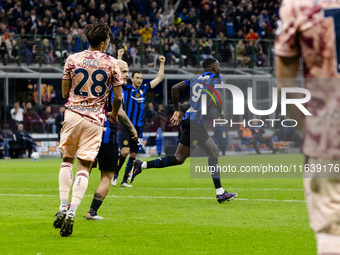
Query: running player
{"x":193,"y":128}
{"x":311,"y":31}
{"x":86,"y":83}
{"x":134,"y":100}
{"x":108,"y":153}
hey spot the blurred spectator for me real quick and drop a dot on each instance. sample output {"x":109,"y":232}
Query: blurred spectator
{"x":150,"y":54}
{"x":206,"y":48}
{"x":49,"y":119}
{"x":160,"y":119}
{"x":224,"y":48}
{"x":258,"y":137}
{"x":221,"y":138}
{"x":134,"y":54}
{"x":252,"y":37}
{"x":82,"y":43}
{"x":48,"y":51}
{"x":264,"y":17}
{"x":146,"y":32}
{"x":17,"y":113}
{"x":246,"y":136}
{"x":60,"y":50}
{"x":260,"y":58}
{"x":59,"y":120}
{"x":4,"y":145}
{"x":3,"y":52}
{"x":25,"y":139}
{"x":150,"y":111}
{"x":11,"y":47}
{"x":24,"y":42}
{"x":240,"y":54}
{"x":32,"y":120}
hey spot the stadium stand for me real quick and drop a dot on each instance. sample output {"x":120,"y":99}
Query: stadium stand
{"x":187,"y":31}
{"x":36,"y":37}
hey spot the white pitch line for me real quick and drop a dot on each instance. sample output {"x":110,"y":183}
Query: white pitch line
{"x":185,"y":189}
{"x":151,"y":197}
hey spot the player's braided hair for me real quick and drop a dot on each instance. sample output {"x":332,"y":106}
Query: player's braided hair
{"x":97,"y":33}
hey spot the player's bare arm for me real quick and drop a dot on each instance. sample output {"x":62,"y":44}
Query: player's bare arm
{"x":65,"y":87}
{"x":116,"y":104}
{"x":124,"y":119}
{"x":286,"y":71}
{"x":160,"y":74}
{"x":120,"y":54}
{"x":175,"y":91}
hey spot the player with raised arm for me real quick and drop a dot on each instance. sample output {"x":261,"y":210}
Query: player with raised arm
{"x":87,"y":79}
{"x":193,"y":128}
{"x":311,"y":31}
{"x":108,"y":153}
{"x":134,"y":100}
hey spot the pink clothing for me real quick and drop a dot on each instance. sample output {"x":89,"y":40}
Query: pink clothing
{"x":92,"y":74}
{"x":309,"y":31}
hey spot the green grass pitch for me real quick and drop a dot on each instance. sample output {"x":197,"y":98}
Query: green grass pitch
{"x":166,"y":212}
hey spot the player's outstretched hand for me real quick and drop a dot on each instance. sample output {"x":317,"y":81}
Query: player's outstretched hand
{"x":111,"y":117}
{"x":175,"y":118}
{"x":162,"y":59}
{"x":121,"y":53}
{"x":134,"y":135}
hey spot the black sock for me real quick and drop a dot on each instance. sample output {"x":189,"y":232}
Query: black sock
{"x":216,"y":174}
{"x":162,"y":162}
{"x":95,"y":206}
{"x":120,"y":163}
{"x":128,"y":168}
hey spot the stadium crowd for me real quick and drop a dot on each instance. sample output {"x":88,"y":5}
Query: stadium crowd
{"x":185,"y":32}
{"x":194,"y":29}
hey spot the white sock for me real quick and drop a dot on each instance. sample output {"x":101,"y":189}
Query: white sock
{"x":65,"y":180}
{"x":328,"y":243}
{"x":79,"y":187}
{"x":63,"y":204}
{"x":219,"y":191}
{"x":73,"y":208}
{"x":144,"y":165}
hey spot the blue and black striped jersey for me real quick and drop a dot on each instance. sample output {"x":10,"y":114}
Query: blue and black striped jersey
{"x":134,"y":100}
{"x":110,"y":129}
{"x":198,"y":86}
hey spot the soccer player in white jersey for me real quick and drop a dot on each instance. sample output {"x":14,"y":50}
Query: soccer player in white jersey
{"x":86,"y":83}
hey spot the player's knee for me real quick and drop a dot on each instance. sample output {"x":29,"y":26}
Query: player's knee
{"x":69,"y":160}
{"x":133,"y":155}
{"x":180,"y":159}
{"x":214,"y":153}
{"x":125,"y":151}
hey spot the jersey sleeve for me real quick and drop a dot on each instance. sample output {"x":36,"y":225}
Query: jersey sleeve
{"x":286,"y":44}
{"x":126,"y":87}
{"x":187,"y":82}
{"x":117,"y":77}
{"x":146,"y":87}
{"x":67,"y":69}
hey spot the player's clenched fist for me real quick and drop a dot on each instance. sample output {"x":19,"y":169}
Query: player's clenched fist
{"x":120,"y":53}
{"x":162,"y":59}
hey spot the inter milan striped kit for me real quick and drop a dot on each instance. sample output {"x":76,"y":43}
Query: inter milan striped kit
{"x":201,"y":85}
{"x":134,"y":100}
{"x":133,"y":105}
{"x":108,"y":153}
{"x":193,"y":122}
